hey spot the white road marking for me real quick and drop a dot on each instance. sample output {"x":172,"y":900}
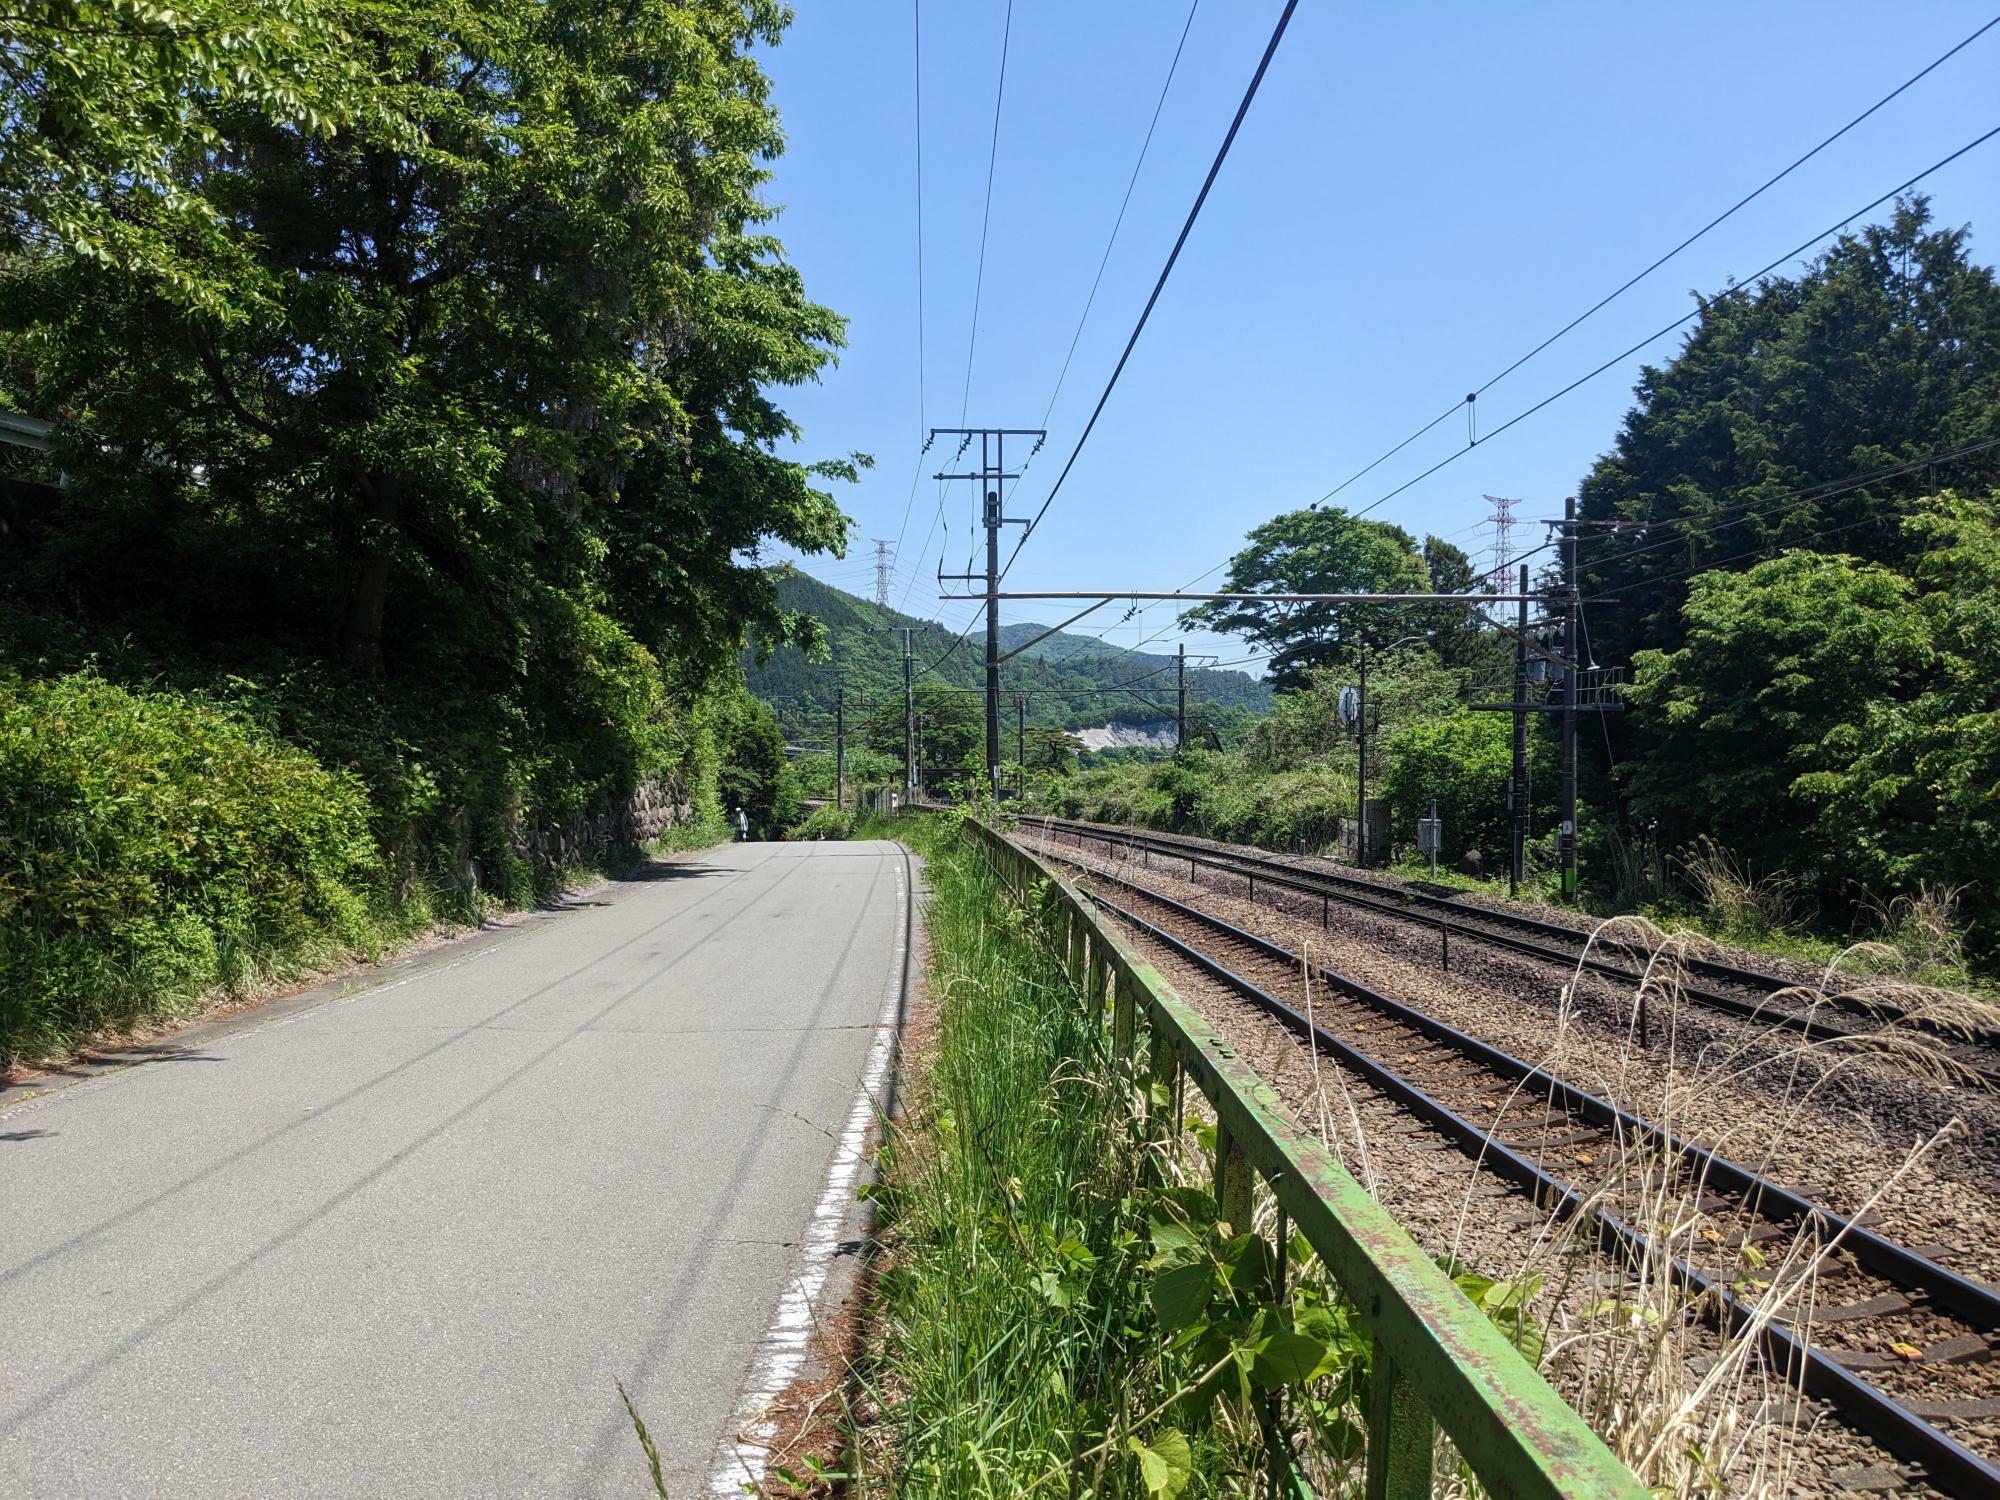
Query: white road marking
{"x":781,"y":1357}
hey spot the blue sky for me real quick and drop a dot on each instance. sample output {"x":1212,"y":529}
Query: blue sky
{"x":1418,"y":196}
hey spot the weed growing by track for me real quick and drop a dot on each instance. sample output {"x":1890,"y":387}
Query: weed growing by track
{"x":1058,"y":1309}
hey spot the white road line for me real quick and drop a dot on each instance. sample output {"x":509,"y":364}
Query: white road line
{"x":781,"y":1356}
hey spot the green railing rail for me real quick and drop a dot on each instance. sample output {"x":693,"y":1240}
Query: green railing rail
{"x":1439,"y":1361}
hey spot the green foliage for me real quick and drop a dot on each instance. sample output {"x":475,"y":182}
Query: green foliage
{"x":111,"y":102}
{"x":1463,"y":762}
{"x":154,"y":846}
{"x":1885,"y":349}
{"x":414,"y":375}
{"x":1140,"y":1337}
{"x":825,"y":823}
{"x":755,"y":776}
{"x":1216,"y":794}
{"x":1837,"y":720}
{"x":1315,"y":551}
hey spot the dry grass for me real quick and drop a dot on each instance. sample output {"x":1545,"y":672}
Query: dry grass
{"x":1695,"y":1410}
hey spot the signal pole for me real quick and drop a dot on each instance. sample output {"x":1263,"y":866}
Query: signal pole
{"x":1180,"y":697}
{"x":1571,"y":666}
{"x":992,"y":477}
{"x":1517,"y":867}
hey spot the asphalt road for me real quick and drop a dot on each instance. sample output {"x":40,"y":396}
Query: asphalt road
{"x":403,"y":1242}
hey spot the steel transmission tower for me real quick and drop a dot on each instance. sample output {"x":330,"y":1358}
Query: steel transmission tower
{"x":884,"y":566}
{"x":1503,"y":541}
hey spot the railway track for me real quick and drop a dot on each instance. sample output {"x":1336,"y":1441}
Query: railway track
{"x":1900,"y":1345}
{"x":1747,"y":994}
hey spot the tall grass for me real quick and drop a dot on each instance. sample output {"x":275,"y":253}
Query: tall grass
{"x":1061,"y":1310}
{"x":1014,"y":1285}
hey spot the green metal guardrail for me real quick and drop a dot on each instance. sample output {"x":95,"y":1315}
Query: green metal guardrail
{"x":1439,"y":1361}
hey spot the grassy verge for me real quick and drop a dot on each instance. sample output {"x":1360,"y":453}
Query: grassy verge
{"x":1058,"y":1309}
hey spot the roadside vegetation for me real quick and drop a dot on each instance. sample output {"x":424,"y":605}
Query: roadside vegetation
{"x":1057,"y":1304}
{"x":414,"y":437}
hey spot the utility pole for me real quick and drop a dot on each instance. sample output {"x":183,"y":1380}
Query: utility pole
{"x":1571,"y":666}
{"x":992,"y":477}
{"x":909,"y":704}
{"x":1517,"y":866}
{"x":1180,"y":698}
{"x":840,"y":746}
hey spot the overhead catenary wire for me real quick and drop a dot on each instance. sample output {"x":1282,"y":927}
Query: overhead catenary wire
{"x":1741,"y":285}
{"x":1123,"y":204}
{"x":1634,"y":280}
{"x":1160,"y":283}
{"x":917,"y":78}
{"x":1730,"y":515}
{"x":986,"y":218}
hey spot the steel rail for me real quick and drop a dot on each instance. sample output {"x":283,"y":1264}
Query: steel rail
{"x":1439,"y":1361}
{"x":1871,"y":1410}
{"x":1369,"y":896}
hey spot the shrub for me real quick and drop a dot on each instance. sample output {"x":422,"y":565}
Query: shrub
{"x":826,"y":823}
{"x":152,"y":846}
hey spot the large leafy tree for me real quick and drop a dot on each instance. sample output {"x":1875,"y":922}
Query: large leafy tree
{"x":1764,"y":430}
{"x":1838,"y":720}
{"x":492,"y":346}
{"x":1315,"y":551}
{"x":109,"y":101}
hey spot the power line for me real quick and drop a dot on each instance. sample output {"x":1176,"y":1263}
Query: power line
{"x":992,"y":157}
{"x":1159,"y":285}
{"x":1714,"y":563}
{"x":1739,"y":286}
{"x":1633,"y":281}
{"x":923,"y":422}
{"x":1124,"y":203}
{"x":1735,"y":514}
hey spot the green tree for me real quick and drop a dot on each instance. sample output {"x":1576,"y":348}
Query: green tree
{"x":1317,"y":551}
{"x":755,"y":776}
{"x":1788,"y":668}
{"x":1885,"y":349}
{"x":115,"y":108}
{"x":1909,"y":786}
{"x":525,"y":352}
{"x":954,"y":727}
{"x":1462,"y":760}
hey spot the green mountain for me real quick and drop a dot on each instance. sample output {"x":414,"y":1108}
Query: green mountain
{"x":1072,"y":681}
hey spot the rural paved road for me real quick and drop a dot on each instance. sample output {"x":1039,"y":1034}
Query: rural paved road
{"x":402,"y":1243}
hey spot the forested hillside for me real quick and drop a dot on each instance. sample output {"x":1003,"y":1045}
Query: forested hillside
{"x":411,"y":376}
{"x":1070,"y":680}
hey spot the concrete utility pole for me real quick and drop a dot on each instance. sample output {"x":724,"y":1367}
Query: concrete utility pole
{"x":991,"y":477}
{"x":1180,"y":697}
{"x":840,"y":746}
{"x":1517,"y":866}
{"x":1571,"y":666}
{"x":909,"y":704}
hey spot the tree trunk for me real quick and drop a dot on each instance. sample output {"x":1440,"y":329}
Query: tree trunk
{"x":368,"y":598}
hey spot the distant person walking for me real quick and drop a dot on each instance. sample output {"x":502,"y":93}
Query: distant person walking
{"x":742,"y":826}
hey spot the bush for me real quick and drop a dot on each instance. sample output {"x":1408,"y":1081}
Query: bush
{"x":825,"y":823}
{"x":153,"y":846}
